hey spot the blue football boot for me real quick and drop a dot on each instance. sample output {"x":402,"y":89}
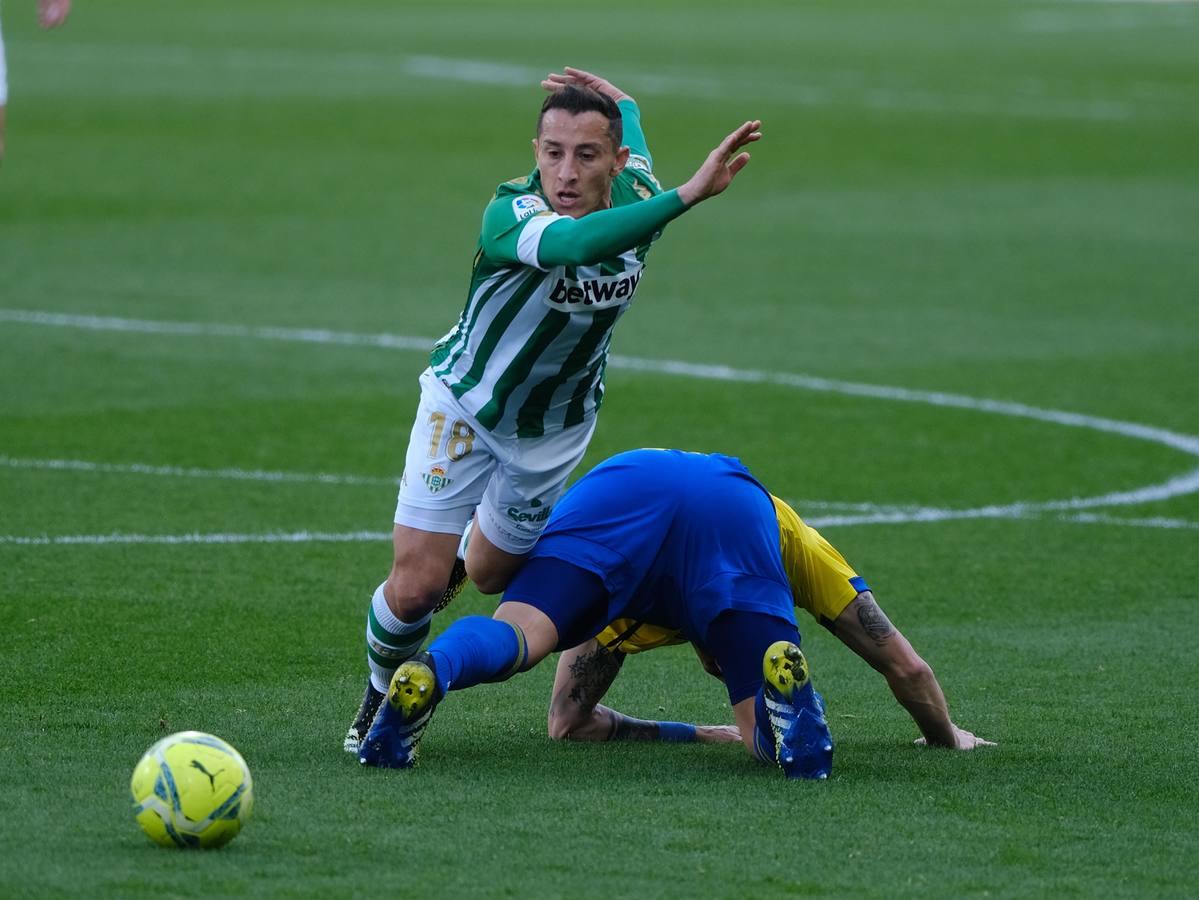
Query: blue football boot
{"x":401,"y":720}
{"x":802,"y":744}
{"x":372,"y":699}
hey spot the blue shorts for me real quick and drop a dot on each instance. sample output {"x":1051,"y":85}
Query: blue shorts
{"x":576,"y":601}
{"x":738,"y":641}
{"x":675,"y":538}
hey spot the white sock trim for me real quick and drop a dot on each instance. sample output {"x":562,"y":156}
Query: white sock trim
{"x":390,"y":621}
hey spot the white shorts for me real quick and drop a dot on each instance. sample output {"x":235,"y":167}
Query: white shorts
{"x":453,"y":466}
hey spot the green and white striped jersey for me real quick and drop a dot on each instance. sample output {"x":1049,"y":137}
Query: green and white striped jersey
{"x":528,"y":353}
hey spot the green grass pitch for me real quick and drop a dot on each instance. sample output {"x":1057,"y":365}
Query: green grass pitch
{"x":991,"y":200}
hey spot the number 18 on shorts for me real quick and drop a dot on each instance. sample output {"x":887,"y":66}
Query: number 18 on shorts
{"x":453,"y":466}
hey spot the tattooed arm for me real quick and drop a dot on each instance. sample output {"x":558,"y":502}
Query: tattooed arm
{"x":584,"y":675}
{"x":865,"y":629}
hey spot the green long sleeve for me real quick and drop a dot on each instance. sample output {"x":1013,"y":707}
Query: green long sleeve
{"x":609,"y":232}
{"x":634,"y":134}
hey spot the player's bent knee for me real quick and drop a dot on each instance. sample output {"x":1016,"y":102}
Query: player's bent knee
{"x":489,"y":567}
{"x":492,"y":573}
{"x":410,"y":596}
{"x":490,"y":581}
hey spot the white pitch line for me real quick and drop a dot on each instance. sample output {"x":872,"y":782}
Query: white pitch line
{"x":1179,"y":486}
{"x":1132,"y":2}
{"x":1175,"y":487}
{"x":1186,"y":443}
{"x":917,"y":514}
{"x":922,"y":515}
{"x":216,"y":329}
{"x":293,"y":537}
{"x":1156,"y":521}
{"x":79,"y":465}
{"x":861,"y":514}
{"x":849,"y":513}
{"x":1153,"y":522}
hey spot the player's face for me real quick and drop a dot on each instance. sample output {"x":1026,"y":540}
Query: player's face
{"x":577,"y":161}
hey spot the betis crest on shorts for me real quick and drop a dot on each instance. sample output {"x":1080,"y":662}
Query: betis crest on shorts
{"x":435,"y":479}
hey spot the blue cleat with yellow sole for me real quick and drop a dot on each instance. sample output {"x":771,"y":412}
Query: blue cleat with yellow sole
{"x":401,"y":720}
{"x":803,"y":745}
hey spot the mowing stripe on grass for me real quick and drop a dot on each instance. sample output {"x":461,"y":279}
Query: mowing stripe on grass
{"x":1186,"y":443}
{"x":316,"y":537}
{"x":1180,"y":485}
{"x":388,"y":70}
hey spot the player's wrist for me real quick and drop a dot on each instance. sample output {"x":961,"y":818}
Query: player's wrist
{"x":676,"y":732}
{"x":689,"y":194}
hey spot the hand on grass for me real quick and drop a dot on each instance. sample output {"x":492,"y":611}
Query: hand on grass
{"x":717,"y":734}
{"x":964,"y":740}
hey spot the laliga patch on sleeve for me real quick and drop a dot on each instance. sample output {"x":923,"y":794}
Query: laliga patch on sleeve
{"x":528,"y":205}
{"x":637,"y":161}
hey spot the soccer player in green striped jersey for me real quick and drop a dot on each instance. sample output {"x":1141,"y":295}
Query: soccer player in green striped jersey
{"x":509,"y":400}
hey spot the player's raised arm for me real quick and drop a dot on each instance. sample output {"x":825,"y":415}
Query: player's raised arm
{"x":568,"y":213}
{"x":583,"y":677}
{"x":593,"y":238}
{"x":865,"y":629}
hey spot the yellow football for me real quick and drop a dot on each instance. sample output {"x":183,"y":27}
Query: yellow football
{"x":191,"y":789}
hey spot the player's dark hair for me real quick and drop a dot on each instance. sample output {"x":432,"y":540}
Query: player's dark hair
{"x":576,"y":100}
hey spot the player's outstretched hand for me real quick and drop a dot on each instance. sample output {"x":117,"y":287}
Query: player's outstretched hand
{"x":52,"y":13}
{"x":570,"y":75}
{"x":965,"y":740}
{"x":721,"y":166}
{"x":717,"y":734}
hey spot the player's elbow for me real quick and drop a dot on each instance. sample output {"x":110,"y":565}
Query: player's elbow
{"x":561,"y":726}
{"x":570,"y":722}
{"x":909,"y":672}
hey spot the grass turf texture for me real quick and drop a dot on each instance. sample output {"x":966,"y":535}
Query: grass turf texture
{"x":993,"y":200}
